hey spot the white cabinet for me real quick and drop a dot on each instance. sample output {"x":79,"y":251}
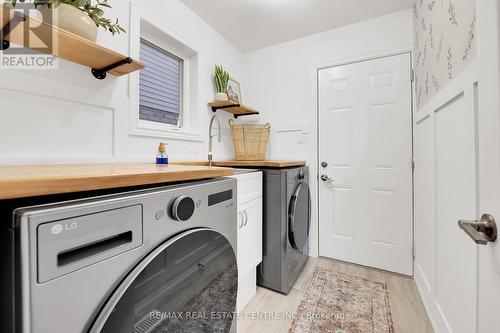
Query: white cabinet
{"x":249,"y":243}
{"x":249,"y":236}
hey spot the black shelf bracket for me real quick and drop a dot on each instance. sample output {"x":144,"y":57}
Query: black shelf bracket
{"x":215,"y":108}
{"x":8,"y":27}
{"x":245,"y":114}
{"x":101,"y":74}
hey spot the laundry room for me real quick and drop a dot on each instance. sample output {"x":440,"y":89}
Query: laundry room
{"x":249,"y":166}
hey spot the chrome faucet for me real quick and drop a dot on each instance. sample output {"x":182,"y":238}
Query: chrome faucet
{"x":211,"y":136}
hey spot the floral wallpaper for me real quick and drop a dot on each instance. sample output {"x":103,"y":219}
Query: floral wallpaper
{"x":445,"y":43}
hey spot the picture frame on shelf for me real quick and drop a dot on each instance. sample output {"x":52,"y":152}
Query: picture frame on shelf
{"x":234,"y":91}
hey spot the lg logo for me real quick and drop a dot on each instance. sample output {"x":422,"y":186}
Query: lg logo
{"x":58,"y":228}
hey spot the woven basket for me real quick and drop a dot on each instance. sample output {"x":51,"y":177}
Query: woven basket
{"x":250,"y":141}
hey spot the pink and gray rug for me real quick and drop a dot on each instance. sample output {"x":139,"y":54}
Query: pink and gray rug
{"x":340,"y":303}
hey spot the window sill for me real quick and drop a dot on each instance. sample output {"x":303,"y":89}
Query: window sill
{"x":168,"y":134}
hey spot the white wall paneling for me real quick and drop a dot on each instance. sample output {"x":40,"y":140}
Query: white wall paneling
{"x":53,"y":124}
{"x":445,"y":187}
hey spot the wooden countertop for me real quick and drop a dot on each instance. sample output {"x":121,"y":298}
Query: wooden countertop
{"x":19,"y":181}
{"x":257,"y":164}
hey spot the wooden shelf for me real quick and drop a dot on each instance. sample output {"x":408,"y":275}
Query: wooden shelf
{"x":236,"y":109}
{"x":69,"y":46}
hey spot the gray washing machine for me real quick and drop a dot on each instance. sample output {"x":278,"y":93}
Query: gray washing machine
{"x":286,"y":225}
{"x":154,"y":260}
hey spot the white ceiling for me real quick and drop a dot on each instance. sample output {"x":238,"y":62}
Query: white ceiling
{"x":253,"y":24}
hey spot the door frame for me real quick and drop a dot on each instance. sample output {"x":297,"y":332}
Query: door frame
{"x":488,"y":120}
{"x":314,"y":70}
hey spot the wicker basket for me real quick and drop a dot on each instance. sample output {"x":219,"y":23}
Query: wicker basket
{"x":250,"y":141}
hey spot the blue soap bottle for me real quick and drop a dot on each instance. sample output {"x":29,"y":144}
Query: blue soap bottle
{"x":162,"y":156}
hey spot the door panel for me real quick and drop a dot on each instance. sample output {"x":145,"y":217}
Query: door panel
{"x":342,"y":200}
{"x":341,"y":123}
{"x":455,"y":197}
{"x":249,"y":236}
{"x":382,"y":136}
{"x":365,"y":137}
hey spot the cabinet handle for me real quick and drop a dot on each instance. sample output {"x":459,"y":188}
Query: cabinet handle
{"x":246,"y":218}
{"x":240,"y":225}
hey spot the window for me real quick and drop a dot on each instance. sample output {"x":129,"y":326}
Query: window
{"x":160,"y":85}
{"x":164,"y":96}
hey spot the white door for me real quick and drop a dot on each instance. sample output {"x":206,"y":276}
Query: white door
{"x":489,"y":160}
{"x":365,"y":134}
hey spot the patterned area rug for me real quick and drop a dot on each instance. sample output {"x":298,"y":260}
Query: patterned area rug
{"x":212,"y":310}
{"x":340,"y":303}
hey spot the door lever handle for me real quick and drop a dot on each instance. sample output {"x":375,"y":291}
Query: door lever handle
{"x":481,"y":232}
{"x":325,"y":178}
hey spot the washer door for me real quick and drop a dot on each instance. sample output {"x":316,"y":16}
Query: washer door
{"x":299,"y":218}
{"x":188,"y":284}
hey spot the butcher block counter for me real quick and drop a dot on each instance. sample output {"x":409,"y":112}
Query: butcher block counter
{"x":251,"y":164}
{"x":20,"y":181}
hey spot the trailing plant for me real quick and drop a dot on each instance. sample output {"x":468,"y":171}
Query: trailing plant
{"x":95,"y":11}
{"x":221,"y":78}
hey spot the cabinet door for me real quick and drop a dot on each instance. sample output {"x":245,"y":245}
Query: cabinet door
{"x":249,"y":236}
{"x":249,"y":186}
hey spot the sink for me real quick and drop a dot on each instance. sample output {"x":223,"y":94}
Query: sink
{"x":200,"y":163}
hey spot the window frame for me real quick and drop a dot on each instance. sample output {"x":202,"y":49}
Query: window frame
{"x":145,"y":27}
{"x":183,"y":88}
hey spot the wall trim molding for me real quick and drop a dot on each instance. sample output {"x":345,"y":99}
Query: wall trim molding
{"x":110,"y":105}
{"x":450,"y":92}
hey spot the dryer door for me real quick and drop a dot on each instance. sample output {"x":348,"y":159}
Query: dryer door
{"x":188,"y":284}
{"x":299,"y":217}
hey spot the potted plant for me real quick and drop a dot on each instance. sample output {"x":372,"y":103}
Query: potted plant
{"x":221,"y":79}
{"x":80,"y":17}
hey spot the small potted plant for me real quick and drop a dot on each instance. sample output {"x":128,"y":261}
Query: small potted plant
{"x":221,"y":79}
{"x":80,"y":17}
